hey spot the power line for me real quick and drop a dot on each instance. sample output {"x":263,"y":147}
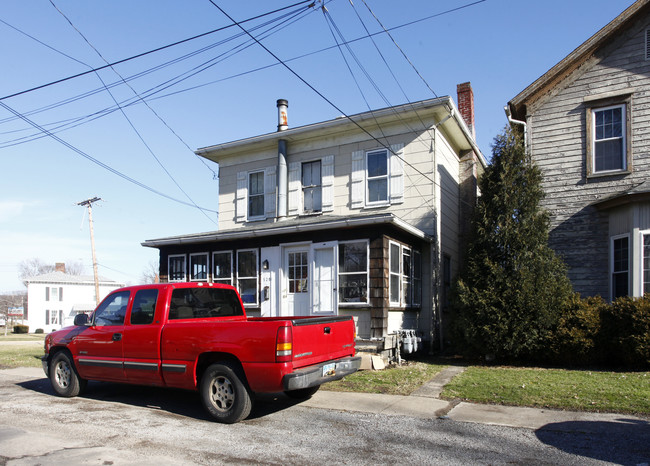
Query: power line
{"x":124,"y":60}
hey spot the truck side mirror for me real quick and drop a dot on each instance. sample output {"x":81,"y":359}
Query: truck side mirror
{"x":81,"y":320}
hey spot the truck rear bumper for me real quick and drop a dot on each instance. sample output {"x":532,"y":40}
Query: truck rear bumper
{"x":321,"y":373}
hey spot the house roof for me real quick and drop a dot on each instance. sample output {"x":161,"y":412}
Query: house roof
{"x":65,"y":278}
{"x":440,"y":107}
{"x":637,"y":193}
{"x":316,"y":223}
{"x":549,"y":80}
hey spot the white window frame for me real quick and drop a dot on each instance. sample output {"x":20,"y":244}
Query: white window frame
{"x":314,"y":187}
{"x":407,"y":282}
{"x":622,"y":137}
{"x":262,"y":195}
{"x":392,"y":274}
{"x":340,"y":273}
{"x":207,"y":267}
{"x":256,"y":277}
{"x":169,"y":268}
{"x":385,"y":177}
{"x":611,"y":264}
{"x":216,"y":279}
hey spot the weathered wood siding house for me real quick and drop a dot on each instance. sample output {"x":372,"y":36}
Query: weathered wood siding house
{"x":357,"y":216}
{"x":587,"y":126}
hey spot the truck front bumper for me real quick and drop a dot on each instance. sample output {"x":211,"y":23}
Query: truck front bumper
{"x":319,"y":374}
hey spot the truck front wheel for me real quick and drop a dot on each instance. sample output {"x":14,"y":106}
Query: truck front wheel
{"x":224,"y":395}
{"x":63,"y":376}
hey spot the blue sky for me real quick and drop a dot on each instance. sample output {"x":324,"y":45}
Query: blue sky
{"x":500,"y":46}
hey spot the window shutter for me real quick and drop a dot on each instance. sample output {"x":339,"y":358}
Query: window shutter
{"x":240,"y":200}
{"x":327,"y":180}
{"x":294,"y":191}
{"x":397,"y":174}
{"x":47,"y":317}
{"x":269,"y":191}
{"x":60,"y":293}
{"x":647,"y":44}
{"x":61,"y":318}
{"x":357,"y":180}
{"x":47,"y":293}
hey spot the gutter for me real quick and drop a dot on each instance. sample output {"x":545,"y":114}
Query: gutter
{"x":518,"y":122}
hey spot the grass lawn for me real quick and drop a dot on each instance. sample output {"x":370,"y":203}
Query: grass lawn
{"x":397,"y":380}
{"x":20,"y":356}
{"x":20,"y":336}
{"x":576,"y":390}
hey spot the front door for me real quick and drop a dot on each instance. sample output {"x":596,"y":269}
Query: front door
{"x":295,"y":289}
{"x":324,"y":297}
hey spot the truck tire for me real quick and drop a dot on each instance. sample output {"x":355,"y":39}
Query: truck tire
{"x":302,"y":393}
{"x":224,"y":395}
{"x":63,"y":376}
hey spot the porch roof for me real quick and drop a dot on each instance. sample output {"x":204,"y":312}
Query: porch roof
{"x":316,"y":223}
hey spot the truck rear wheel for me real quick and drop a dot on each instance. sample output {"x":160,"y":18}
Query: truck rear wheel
{"x":224,"y":395}
{"x":63,"y":376}
{"x":302,"y":393}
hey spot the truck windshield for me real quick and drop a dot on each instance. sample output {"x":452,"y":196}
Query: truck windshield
{"x":199,"y":303}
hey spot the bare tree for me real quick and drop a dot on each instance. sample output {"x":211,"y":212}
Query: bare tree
{"x":33,"y":267}
{"x":74,"y":268}
{"x":150,"y":273}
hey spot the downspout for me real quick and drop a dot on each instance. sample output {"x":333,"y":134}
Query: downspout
{"x":518,"y":122}
{"x":282,"y":160}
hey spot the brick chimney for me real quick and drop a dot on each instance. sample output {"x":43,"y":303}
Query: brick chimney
{"x":466,"y":105}
{"x":59,"y":267}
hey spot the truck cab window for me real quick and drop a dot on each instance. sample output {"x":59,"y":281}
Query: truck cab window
{"x":112,"y":310}
{"x":144,"y":307}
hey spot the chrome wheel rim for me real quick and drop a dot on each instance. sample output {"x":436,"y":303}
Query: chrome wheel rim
{"x":62,"y":373}
{"x":222,"y":393}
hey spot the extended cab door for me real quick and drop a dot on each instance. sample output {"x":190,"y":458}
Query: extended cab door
{"x":141,"y":342}
{"x":99,"y":347}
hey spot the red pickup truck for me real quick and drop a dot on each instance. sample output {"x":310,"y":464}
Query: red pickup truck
{"x":196,"y":336}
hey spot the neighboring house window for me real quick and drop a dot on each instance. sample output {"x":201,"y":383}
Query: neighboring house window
{"x":222,"y":263}
{"x":620,"y":266}
{"x":377,"y":177}
{"x":199,"y":266}
{"x":608,"y":137}
{"x":247,"y":276}
{"x":353,"y":272}
{"x":417,"y":278}
{"x":646,"y":262}
{"x":394,"y":272}
{"x":256,"y":194}
{"x":311,"y":187}
{"x":177,"y":268}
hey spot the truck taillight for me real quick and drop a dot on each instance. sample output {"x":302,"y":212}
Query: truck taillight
{"x":283,"y":345}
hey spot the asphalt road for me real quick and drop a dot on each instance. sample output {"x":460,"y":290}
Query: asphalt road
{"x":119,"y":424}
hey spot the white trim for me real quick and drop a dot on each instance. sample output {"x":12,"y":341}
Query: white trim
{"x":169,"y":258}
{"x":383,"y":202}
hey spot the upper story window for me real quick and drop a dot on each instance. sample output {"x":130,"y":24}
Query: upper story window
{"x":176,"y":268}
{"x":312,"y":195}
{"x":608,"y":137}
{"x":377,"y":177}
{"x":54,"y":293}
{"x":256,"y":194}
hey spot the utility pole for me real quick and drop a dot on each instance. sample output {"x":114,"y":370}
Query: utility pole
{"x":89,"y":203}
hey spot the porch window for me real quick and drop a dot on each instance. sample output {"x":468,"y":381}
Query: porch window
{"x":405,"y":285}
{"x":199,"y":267}
{"x":353,"y":272}
{"x":394,"y":274}
{"x":176,"y":265}
{"x":222,"y":262}
{"x":312,"y":187}
{"x":247,"y":276}
{"x":620,"y":266}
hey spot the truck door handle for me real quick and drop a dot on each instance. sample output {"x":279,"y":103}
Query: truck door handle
{"x":327,"y":330}
{"x":117,"y":336}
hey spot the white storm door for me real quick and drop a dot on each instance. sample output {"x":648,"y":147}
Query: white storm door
{"x":324,"y":280}
{"x":296,"y":282}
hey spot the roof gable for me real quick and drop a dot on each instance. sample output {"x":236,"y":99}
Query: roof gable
{"x":576,"y":59}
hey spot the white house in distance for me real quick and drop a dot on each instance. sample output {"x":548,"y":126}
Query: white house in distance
{"x":55,"y":298}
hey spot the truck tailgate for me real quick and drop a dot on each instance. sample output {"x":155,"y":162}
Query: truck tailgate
{"x":317,"y":340}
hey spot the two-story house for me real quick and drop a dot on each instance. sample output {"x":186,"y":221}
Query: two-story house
{"x":54,"y":298}
{"x":360,"y":215}
{"x":586,"y":124}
